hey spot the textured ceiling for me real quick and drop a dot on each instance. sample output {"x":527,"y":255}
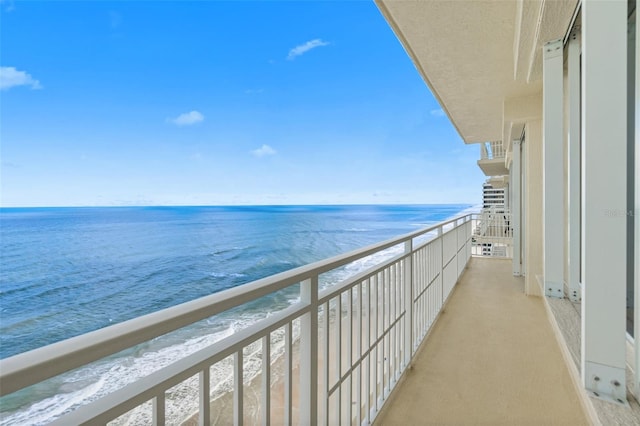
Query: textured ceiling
{"x":474,"y":54}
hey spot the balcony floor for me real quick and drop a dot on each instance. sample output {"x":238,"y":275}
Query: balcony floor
{"x":491,"y":358}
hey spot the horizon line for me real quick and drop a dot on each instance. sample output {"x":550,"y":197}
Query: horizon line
{"x":238,"y":205}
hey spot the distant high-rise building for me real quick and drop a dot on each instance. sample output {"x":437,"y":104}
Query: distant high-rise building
{"x":492,"y":197}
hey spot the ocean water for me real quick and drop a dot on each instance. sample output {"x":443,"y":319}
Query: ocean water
{"x":68,"y":271}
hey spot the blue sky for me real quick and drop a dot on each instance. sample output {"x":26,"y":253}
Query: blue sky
{"x":211,"y":103}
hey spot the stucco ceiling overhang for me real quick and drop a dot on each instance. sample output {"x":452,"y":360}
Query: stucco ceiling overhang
{"x":495,"y":167}
{"x":474,"y":54}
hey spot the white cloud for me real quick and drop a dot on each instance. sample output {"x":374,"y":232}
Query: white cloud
{"x":263,"y":150}
{"x":187,"y":119}
{"x":437,"y":112}
{"x":304,"y":48}
{"x":11,"y":77}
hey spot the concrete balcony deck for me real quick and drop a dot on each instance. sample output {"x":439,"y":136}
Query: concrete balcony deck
{"x":492,"y":358}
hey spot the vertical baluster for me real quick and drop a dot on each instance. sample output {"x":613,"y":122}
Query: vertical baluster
{"x":424,"y":282}
{"x":325,"y":364}
{"x":349,"y":294}
{"x":441,"y":265}
{"x":205,"y":403}
{"x":309,"y":353}
{"x":410,"y":309}
{"x":419,"y":323}
{"x":433,"y":289}
{"x":399,"y":329}
{"x":159,"y":410}
{"x":396,"y":327}
{"x":436,"y":276}
{"x":387,"y":332}
{"x":340,"y":355}
{"x":392,"y":345}
{"x":266,"y":380}
{"x":421,"y":302}
{"x":359,"y":351}
{"x":437,"y":303}
{"x":238,"y":383}
{"x":375,"y":344}
{"x":381,"y":333}
{"x":410,"y":306}
{"x":368,"y":371}
{"x":288,"y":376}
{"x":399,"y":311}
{"x":396,"y":310}
{"x":429,"y":289}
{"x":428,"y":293}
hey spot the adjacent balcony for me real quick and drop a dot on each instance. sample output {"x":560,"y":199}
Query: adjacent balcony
{"x":493,"y":233}
{"x":492,"y":159}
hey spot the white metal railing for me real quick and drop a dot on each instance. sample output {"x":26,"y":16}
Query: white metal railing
{"x":493,"y":233}
{"x":356,"y":338}
{"x":492,"y":150}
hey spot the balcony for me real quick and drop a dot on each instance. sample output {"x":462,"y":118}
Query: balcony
{"x":352,"y":353}
{"x":492,"y":159}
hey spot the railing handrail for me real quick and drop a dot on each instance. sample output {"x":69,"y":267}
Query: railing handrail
{"x":23,"y":370}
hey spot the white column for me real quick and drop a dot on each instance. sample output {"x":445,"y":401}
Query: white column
{"x":604,"y":192}
{"x":524,"y":206}
{"x":507,"y":194}
{"x":573,"y":166}
{"x":552,"y":177}
{"x":516,"y":188}
{"x":533,"y":231}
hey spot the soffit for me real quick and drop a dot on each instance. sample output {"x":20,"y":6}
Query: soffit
{"x":465,"y":52}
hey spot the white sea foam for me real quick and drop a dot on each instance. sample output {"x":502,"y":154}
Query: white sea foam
{"x":360,"y":265}
{"x":472,"y":209}
{"x":104,"y":377}
{"x":45,"y":411}
{"x":107,"y":376}
{"x":227,"y":275}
